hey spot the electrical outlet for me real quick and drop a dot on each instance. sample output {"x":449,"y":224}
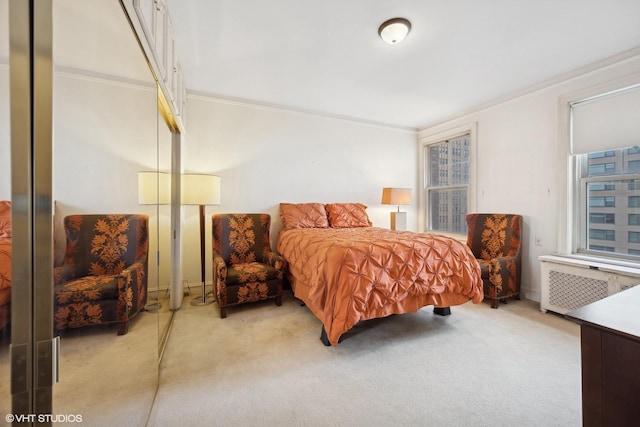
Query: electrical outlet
{"x":538,"y":241}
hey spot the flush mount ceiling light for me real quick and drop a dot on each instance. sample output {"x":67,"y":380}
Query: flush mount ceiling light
{"x":394,"y":30}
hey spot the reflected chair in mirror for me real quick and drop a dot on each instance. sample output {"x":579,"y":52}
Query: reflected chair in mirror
{"x":495,"y":240}
{"x":5,"y":263}
{"x":103,"y":279}
{"x":245,"y":269}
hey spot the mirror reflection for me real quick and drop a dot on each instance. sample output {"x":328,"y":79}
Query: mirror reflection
{"x":106,"y":130}
{"x":5,"y":213}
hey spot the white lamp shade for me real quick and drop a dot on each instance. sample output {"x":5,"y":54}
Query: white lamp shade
{"x":396,"y":196}
{"x":200,"y":189}
{"x":394,"y":30}
{"x":154,"y":188}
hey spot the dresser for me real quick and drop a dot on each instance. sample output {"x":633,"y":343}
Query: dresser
{"x":610,"y":351}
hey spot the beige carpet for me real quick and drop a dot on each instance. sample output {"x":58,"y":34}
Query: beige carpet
{"x":265,"y":366}
{"x":108,"y":380}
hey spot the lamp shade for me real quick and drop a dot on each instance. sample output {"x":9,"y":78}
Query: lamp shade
{"x":200,"y":189}
{"x":154,"y":188}
{"x":396,"y":196}
{"x":394,"y":30}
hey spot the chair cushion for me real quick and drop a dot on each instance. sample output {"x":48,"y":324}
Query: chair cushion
{"x":239,"y":274}
{"x":93,"y":288}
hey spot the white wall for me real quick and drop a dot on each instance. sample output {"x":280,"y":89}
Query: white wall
{"x":104,"y":133}
{"x":266,"y":156}
{"x":519,"y":169}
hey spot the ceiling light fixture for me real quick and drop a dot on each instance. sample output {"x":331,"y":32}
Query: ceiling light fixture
{"x":394,"y":30}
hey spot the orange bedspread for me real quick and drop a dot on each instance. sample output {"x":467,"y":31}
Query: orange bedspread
{"x":353,"y":274}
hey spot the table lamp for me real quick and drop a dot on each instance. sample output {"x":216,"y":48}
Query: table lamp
{"x":397,"y":196}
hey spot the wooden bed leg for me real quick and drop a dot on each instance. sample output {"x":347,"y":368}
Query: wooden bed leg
{"x":323,"y":337}
{"x":442,"y":311}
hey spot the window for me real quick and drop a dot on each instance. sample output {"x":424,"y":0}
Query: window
{"x":603,"y":248}
{"x":597,"y":201}
{"x":447,"y":171}
{"x":601,"y":168}
{"x":595,"y":234}
{"x":602,"y":218}
{"x":603,"y":203}
{"x":610,"y":198}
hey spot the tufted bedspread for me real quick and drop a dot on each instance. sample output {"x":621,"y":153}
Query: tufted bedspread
{"x":352,"y":274}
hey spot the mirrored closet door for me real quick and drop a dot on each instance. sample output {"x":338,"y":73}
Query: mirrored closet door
{"x":5,"y":214}
{"x":106,"y":133}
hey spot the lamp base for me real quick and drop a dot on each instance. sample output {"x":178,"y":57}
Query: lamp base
{"x":202,"y":300}
{"x":153,"y":305}
{"x":399,"y":221}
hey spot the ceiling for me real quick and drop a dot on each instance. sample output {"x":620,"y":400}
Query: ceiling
{"x":326,"y":56}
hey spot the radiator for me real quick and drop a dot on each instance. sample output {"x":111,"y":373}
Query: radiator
{"x":570,"y":283}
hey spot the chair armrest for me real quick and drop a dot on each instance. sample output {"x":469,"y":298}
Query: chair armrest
{"x":219,"y":282}
{"x":62,"y":274}
{"x":274,"y":260}
{"x":219,"y":268}
{"x":132,"y":290}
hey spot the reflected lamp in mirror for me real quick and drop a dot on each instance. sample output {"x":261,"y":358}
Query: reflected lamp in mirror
{"x":154,"y":188}
{"x":397,"y":196}
{"x":201,"y":190}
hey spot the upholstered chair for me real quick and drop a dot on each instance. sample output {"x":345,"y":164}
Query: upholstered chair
{"x":245,"y":269}
{"x":103,"y":279}
{"x":495,"y":240}
{"x":5,"y":263}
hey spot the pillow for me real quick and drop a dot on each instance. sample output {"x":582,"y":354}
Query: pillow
{"x":303,"y":215}
{"x":5,"y":220}
{"x":346,"y":215}
{"x":5,"y":229}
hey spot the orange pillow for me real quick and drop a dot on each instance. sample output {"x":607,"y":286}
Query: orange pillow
{"x":347,"y":215}
{"x":303,"y":215}
{"x":5,"y":219}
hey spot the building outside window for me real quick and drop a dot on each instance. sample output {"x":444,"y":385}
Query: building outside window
{"x":610,"y":195}
{"x":447,"y":165}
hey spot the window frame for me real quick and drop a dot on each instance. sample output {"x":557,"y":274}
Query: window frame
{"x":426,"y":140}
{"x":568,"y":167}
{"x":583,"y":211}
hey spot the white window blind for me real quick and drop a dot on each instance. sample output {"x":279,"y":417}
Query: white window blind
{"x":606,"y":121}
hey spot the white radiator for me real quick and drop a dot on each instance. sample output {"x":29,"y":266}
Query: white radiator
{"x":571,"y":283}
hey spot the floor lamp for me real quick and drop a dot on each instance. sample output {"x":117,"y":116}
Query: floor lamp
{"x":201,"y":190}
{"x":397,"y":196}
{"x":154,"y":188}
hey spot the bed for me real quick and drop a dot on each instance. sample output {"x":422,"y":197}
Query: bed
{"x":345,"y":270}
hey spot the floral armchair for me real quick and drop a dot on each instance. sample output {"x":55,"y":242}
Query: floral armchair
{"x":495,"y":240}
{"x":245,"y":269}
{"x":103,"y":279}
{"x":5,"y":263}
